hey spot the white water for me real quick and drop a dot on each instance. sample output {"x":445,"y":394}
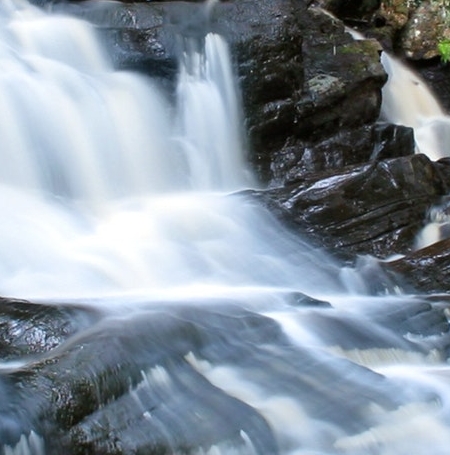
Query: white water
{"x":111,"y":193}
{"x":100,"y":175}
{"x":408,"y":101}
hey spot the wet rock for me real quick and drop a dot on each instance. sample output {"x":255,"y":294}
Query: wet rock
{"x":266,"y":39}
{"x":349,"y":147}
{"x":359,"y":11}
{"x":427,"y":269}
{"x":340,"y":100}
{"x":124,"y":385}
{"x":297,"y":299}
{"x":29,"y":333}
{"x":414,"y":315}
{"x":437,"y":75}
{"x":29,"y":329}
{"x":375,"y":208}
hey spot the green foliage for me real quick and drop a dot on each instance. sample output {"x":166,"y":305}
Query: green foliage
{"x":444,"y":50}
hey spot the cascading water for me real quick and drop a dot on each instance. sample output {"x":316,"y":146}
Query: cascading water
{"x":109,"y":198}
{"x":212,"y":338}
{"x":408,"y":101}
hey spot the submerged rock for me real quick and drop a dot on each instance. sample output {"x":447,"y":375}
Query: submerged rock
{"x":196,"y":378}
{"x":127,"y":386}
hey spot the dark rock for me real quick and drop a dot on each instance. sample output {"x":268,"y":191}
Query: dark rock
{"x":341,"y":74}
{"x":29,"y":333}
{"x":29,"y":329}
{"x":348,"y":147}
{"x":297,"y":299}
{"x":358,"y":11}
{"x":391,"y":141}
{"x":124,"y":385}
{"x":375,"y":208}
{"x":266,"y":39}
{"x":341,"y":94}
{"x":426,"y":270}
{"x":437,"y":75}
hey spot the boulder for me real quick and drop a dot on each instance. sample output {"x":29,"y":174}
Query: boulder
{"x":349,"y":147}
{"x":375,"y":208}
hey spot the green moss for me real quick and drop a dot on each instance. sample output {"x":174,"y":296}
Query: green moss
{"x":444,"y":50}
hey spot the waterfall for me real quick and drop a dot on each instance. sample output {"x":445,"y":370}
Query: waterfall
{"x":408,"y":101}
{"x":210,"y":120}
{"x":206,"y":327}
{"x":104,"y":176}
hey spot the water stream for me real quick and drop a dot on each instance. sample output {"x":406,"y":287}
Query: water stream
{"x":408,"y":101}
{"x":115,"y":196}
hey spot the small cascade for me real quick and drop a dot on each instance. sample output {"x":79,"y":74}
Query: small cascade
{"x":209,"y":116}
{"x":437,"y":225}
{"x":80,"y":130}
{"x":75,"y":128}
{"x":408,"y":101}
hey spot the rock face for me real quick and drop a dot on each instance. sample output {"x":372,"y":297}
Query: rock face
{"x":375,"y":208}
{"x":305,"y":82}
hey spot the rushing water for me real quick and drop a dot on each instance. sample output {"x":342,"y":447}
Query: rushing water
{"x":408,"y":101}
{"x":215,"y":318}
